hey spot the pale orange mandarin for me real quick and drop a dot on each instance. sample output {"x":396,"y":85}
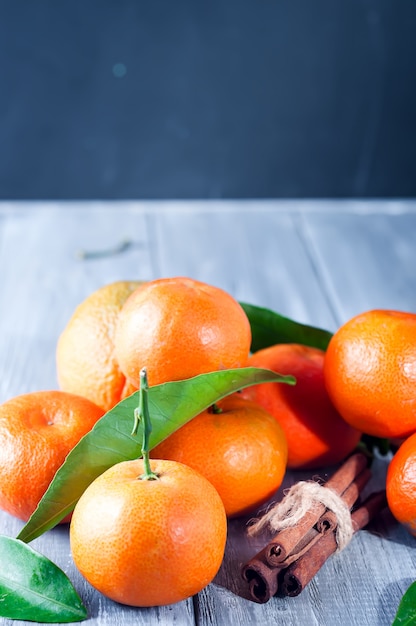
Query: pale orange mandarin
{"x":86,"y":364}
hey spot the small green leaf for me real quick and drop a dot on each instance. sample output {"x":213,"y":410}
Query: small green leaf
{"x":33,"y":588}
{"x":269,"y":328}
{"x":406,"y":613}
{"x":110,"y":441}
{"x":371,"y":443}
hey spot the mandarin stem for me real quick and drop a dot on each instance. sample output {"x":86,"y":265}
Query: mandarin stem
{"x":142,"y":414}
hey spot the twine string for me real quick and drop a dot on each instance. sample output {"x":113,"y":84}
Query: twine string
{"x":300,"y":499}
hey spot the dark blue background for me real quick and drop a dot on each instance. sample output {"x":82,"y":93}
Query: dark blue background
{"x":223,"y":98}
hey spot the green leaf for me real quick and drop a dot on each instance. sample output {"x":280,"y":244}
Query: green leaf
{"x":269,"y":328}
{"x":171,"y":405}
{"x":371,"y":443}
{"x":33,"y":588}
{"x":406,"y":613}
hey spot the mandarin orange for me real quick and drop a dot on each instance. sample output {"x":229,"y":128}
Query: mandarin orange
{"x":370,"y":372}
{"x":149,"y":542}
{"x":237,"y":446}
{"x":401,"y":484}
{"x":316,"y":433}
{"x":37,"y":431}
{"x":178,"y":328}
{"x":85,"y":359}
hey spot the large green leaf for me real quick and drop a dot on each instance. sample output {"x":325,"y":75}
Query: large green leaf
{"x":110,"y":441}
{"x":269,"y":328}
{"x":33,"y":588}
{"x":406,"y":613}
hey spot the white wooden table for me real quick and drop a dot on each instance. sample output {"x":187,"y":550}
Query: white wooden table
{"x":316,"y":262}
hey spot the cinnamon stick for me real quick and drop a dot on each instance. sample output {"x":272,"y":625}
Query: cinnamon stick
{"x":262,"y":581}
{"x":288,"y":545}
{"x":275,"y":553}
{"x":290,"y":542}
{"x":300,"y":573}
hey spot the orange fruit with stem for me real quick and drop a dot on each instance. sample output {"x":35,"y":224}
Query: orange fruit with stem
{"x":149,"y":542}
{"x":237,"y":446}
{"x":37,"y":431}
{"x":149,"y":533}
{"x":370,"y":372}
{"x":316,"y":433}
{"x":401,"y":484}
{"x":85,"y":360}
{"x":179,"y":328}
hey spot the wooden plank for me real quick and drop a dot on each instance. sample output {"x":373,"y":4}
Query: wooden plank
{"x":43,"y":279}
{"x":365,"y":260}
{"x":302,"y":259}
{"x":256,"y":255}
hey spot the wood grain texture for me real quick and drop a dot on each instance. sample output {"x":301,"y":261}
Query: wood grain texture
{"x":316,"y":262}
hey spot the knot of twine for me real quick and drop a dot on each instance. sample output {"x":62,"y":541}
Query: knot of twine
{"x":300,"y":499}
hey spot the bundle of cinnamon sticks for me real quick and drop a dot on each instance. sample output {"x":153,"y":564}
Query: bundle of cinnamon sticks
{"x":297,"y":551}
